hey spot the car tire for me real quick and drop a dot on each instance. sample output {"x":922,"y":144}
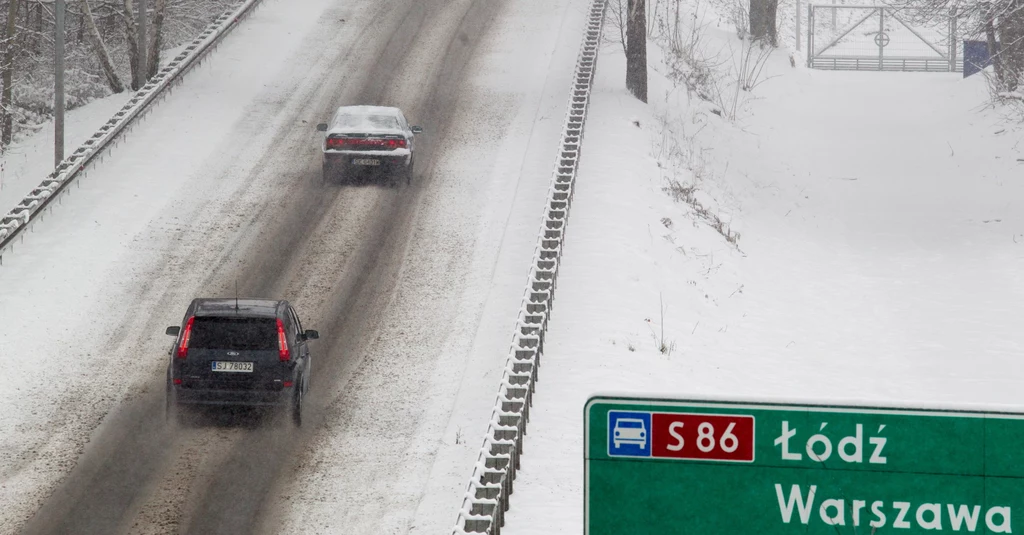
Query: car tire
{"x":328,"y":175}
{"x":174,"y":412}
{"x":170,"y":404}
{"x":408,"y":171}
{"x":296,"y":408}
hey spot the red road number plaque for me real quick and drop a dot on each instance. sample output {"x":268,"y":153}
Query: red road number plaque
{"x":710,"y":437}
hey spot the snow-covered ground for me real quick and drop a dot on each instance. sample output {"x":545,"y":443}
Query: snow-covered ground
{"x":879,"y":256}
{"x":27,"y":162}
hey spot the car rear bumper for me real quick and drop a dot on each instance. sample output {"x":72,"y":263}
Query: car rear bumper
{"x":252,"y":398}
{"x":388,"y":159}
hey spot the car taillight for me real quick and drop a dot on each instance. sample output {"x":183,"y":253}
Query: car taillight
{"x":185,"y":337}
{"x":337,"y":143}
{"x":282,"y":343}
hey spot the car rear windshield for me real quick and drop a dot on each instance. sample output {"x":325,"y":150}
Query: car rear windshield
{"x":245,"y":334}
{"x":368,"y":121}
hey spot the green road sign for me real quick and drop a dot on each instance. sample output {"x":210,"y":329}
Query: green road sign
{"x":719,"y":468}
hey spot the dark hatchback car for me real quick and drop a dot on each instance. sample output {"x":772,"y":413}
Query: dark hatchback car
{"x":241,"y":352}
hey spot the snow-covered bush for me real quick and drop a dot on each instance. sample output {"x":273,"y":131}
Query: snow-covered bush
{"x":723,"y":77}
{"x":1010,"y":102}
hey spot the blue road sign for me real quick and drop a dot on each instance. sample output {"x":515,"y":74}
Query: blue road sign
{"x":976,"y":56}
{"x":629,"y":434}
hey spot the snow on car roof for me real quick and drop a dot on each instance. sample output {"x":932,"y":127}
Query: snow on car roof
{"x":366,"y":119}
{"x":369,"y":110}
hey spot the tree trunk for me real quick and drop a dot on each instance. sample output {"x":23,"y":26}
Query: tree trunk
{"x":636,"y":50}
{"x":763,"y":14}
{"x":30,"y":39}
{"x":1011,"y":34}
{"x":101,"y":51}
{"x":39,"y":28}
{"x":109,"y":25}
{"x":990,"y":36}
{"x":80,"y":36}
{"x":132,"y":33}
{"x":7,"y":127}
{"x":153,"y":63}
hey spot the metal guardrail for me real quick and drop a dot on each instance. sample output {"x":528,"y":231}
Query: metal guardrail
{"x":24,"y":214}
{"x":487,"y":495}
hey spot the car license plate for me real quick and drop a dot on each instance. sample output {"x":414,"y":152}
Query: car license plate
{"x":365,"y":161}
{"x":228,"y":366}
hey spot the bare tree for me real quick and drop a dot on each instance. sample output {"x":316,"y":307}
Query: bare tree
{"x":101,"y":52}
{"x":989,"y":21}
{"x":1011,"y":53}
{"x":153,"y":62}
{"x":636,"y":50}
{"x":8,"y":73}
{"x":132,"y":34}
{"x":617,"y":15}
{"x":763,"y":15}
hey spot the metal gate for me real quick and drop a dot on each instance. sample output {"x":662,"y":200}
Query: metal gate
{"x":880,"y":38}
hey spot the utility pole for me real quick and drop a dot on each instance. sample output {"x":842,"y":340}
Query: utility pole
{"x":58,"y":89}
{"x":143,"y":71}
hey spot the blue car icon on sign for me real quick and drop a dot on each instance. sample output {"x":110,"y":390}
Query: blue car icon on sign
{"x":629,"y":434}
{"x":630,"y":431}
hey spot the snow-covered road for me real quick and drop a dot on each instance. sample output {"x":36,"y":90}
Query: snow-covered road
{"x":413,"y":289}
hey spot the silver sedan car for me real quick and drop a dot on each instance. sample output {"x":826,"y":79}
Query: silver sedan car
{"x":368,"y":138}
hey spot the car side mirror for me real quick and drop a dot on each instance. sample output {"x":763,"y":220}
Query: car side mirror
{"x":174,"y":330}
{"x":417,"y":130}
{"x":312,"y":335}
{"x":322,"y":127}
